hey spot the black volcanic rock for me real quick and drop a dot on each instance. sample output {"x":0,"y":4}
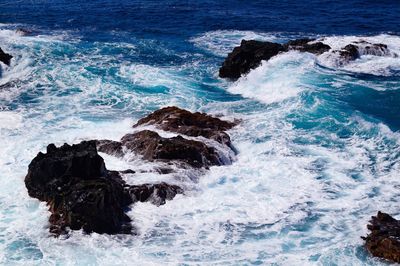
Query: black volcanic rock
{"x":155,"y":193}
{"x":384,"y":239}
{"x":248,"y":56}
{"x":349,"y":53}
{"x":5,"y":58}
{"x":83,"y":194}
{"x":307,"y":45}
{"x":154,"y":147}
{"x":181,"y":121}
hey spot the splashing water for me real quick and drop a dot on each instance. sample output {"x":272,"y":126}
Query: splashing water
{"x":319,"y":148}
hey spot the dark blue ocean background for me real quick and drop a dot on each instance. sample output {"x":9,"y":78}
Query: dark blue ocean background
{"x":319,"y":144}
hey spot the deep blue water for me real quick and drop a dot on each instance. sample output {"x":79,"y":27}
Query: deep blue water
{"x":318,"y":145}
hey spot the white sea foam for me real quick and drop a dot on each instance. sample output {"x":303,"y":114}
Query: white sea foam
{"x":281,"y":201}
{"x":221,"y":42}
{"x":384,"y":65}
{"x":275,"y":80}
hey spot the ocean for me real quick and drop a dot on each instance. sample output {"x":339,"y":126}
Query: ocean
{"x":318,"y":143}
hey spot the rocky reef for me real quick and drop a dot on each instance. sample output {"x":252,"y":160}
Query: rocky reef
{"x":83,"y":194}
{"x":5,"y":58}
{"x":178,"y":149}
{"x":250,"y":53}
{"x":384,"y":239}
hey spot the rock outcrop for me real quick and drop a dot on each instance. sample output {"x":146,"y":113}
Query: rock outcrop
{"x":82,"y":193}
{"x":153,"y":147}
{"x":384,"y":239}
{"x":197,"y":124}
{"x":250,"y":53}
{"x":248,"y":56}
{"x":307,"y":45}
{"x":5,"y":58}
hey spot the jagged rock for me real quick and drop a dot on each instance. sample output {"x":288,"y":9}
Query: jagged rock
{"x":5,"y":58}
{"x":248,"y":56}
{"x":81,"y":192}
{"x":184,"y":122}
{"x":349,"y":53}
{"x":155,"y":193}
{"x":384,"y":239}
{"x":307,"y":45}
{"x":24,"y":32}
{"x":110,"y":147}
{"x":154,"y":147}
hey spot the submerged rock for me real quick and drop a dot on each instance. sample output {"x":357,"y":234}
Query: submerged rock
{"x":384,"y":239}
{"x":155,"y":193}
{"x":82,"y":193}
{"x":249,"y":54}
{"x":307,"y":45}
{"x":5,"y":58}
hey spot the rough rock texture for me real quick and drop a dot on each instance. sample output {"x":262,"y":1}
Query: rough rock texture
{"x":81,"y":192}
{"x":354,"y":50}
{"x":249,"y":54}
{"x":307,"y":45}
{"x":155,"y":193}
{"x":5,"y":58}
{"x":184,"y":122}
{"x":154,"y":147}
{"x":349,"y":53}
{"x":384,"y":239}
{"x":110,"y":147}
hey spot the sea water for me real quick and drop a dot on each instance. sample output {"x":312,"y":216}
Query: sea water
{"x":318,"y":143}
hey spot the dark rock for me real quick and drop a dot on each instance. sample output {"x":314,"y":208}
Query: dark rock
{"x":128,"y":171}
{"x":24,"y":32}
{"x":155,"y":193}
{"x":154,"y":147}
{"x":110,"y":147}
{"x":349,"y":53}
{"x":384,"y":239}
{"x":5,"y":58}
{"x":184,"y":122}
{"x":304,"y":45}
{"x":248,"y":56}
{"x":81,"y":192}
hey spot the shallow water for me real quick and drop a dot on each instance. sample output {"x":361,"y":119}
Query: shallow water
{"x":319,"y":144}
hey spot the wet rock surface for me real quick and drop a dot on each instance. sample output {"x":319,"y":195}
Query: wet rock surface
{"x":5,"y":58}
{"x":153,"y":147}
{"x":82,"y":194}
{"x":197,"y":124}
{"x":250,"y":53}
{"x":307,"y":45}
{"x":384,"y":239}
{"x":248,"y":56}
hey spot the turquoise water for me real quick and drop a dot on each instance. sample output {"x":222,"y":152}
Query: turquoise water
{"x":319,"y":147}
